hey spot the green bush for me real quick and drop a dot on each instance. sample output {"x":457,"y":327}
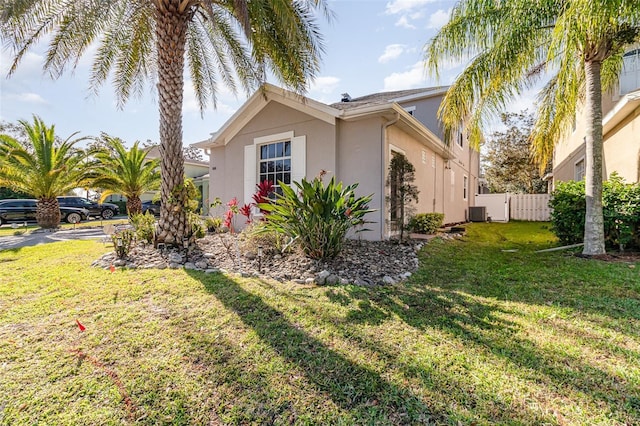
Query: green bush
{"x":567,"y":217}
{"x":197,"y":225}
{"x":256,"y":235}
{"x":213,"y":224}
{"x":426,"y":223}
{"x":319,"y":217}
{"x":621,"y":211}
{"x":145,"y":226}
{"x":122,"y":242}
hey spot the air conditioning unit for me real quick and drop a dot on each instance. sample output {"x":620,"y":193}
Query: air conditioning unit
{"x":478,"y":214}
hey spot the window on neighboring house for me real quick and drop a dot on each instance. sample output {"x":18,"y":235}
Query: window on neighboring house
{"x":274,"y":163}
{"x":579,"y":170}
{"x":465,"y":187}
{"x":460,"y":140}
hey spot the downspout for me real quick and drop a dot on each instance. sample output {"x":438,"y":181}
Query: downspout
{"x":383,"y":168}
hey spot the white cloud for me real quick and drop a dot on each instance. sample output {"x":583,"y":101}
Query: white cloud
{"x":403,"y":22}
{"x":29,"y":98}
{"x":403,"y":6}
{"x":391,"y":52}
{"x":325,"y":85}
{"x":414,"y":77}
{"x":439,"y":18}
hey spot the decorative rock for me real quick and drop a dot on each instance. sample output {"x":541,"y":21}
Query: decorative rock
{"x":363,"y":263}
{"x":190,"y":265}
{"x":250,"y":255}
{"x":388,"y":280}
{"x":322,"y":277}
{"x":119,"y":262}
{"x":332,"y":279}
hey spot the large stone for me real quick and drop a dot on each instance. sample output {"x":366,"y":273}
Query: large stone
{"x":174,"y":258}
{"x":332,"y":279}
{"x":322,"y":277}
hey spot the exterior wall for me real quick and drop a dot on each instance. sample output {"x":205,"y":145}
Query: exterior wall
{"x":426,"y":112}
{"x":359,"y":160}
{"x":622,"y":148}
{"x":227,"y":162}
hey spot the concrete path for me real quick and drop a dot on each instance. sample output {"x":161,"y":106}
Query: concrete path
{"x":36,"y":237}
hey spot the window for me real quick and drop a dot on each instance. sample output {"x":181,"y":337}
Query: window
{"x":275,"y":163}
{"x":281,"y":156}
{"x":465,"y":187}
{"x":579,"y":170}
{"x":424,"y":157}
{"x":460,"y":140}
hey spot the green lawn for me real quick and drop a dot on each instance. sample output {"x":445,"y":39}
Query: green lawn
{"x":7,"y":230}
{"x":478,"y":336}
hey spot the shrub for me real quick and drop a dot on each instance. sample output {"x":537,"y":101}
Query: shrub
{"x":196,"y":224}
{"x":569,"y":205}
{"x":256,"y":235}
{"x":122,"y":242}
{"x":621,"y":212}
{"x":319,"y":217}
{"x":213,"y":224}
{"x":145,"y":226}
{"x":426,"y":223}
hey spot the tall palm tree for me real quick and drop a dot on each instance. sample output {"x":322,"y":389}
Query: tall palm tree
{"x":42,"y":167}
{"x":509,"y":44}
{"x":229,"y":42}
{"x":125,"y":171}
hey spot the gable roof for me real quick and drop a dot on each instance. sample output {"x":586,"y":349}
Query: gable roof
{"x":388,"y":97}
{"x":380,"y":104}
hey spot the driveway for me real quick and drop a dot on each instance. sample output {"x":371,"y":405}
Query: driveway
{"x":36,"y":237}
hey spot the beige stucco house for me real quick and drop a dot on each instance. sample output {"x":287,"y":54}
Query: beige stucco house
{"x":280,"y":136}
{"x":621,"y":132}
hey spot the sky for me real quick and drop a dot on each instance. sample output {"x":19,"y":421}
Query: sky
{"x":371,"y":46}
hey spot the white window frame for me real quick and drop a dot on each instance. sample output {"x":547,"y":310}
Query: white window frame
{"x":575,"y":169}
{"x":460,"y":140}
{"x":251,"y":161}
{"x":465,"y":187}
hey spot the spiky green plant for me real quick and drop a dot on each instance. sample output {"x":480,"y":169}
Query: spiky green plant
{"x":125,"y":171}
{"x":318,"y":217}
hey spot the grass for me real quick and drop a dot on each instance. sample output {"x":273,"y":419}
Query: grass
{"x":477,"y":336}
{"x":7,"y":230}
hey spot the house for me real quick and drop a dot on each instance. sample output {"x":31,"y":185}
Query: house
{"x":280,"y":136}
{"x":620,"y":127}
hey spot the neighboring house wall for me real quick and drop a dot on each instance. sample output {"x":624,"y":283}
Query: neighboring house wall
{"x":621,"y":126}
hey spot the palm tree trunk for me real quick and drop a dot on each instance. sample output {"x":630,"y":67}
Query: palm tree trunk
{"x":134,"y":205}
{"x":171,"y":29}
{"x":48,"y":213}
{"x":594,"y":222}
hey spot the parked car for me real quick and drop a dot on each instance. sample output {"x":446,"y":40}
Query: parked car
{"x":106,"y":210}
{"x":22,"y":210}
{"x":151,"y":206}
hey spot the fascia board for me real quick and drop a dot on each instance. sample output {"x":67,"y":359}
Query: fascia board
{"x":622,"y":109}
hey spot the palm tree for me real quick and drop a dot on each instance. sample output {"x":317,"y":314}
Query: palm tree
{"x":126,"y":172}
{"x":229,"y":42}
{"x":42,"y":167}
{"x":509,"y":44}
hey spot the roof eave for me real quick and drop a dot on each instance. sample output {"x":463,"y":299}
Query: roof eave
{"x":622,"y":109}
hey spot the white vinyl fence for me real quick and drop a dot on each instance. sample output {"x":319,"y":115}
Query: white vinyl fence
{"x":502,"y":207}
{"x":531,"y":207}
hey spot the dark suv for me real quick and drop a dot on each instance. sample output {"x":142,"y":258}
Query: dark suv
{"x":20,"y":210}
{"x":151,"y":206}
{"x":106,"y":210}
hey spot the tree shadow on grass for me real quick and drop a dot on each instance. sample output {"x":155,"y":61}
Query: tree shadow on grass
{"x":358,"y":390}
{"x":481,"y":325}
